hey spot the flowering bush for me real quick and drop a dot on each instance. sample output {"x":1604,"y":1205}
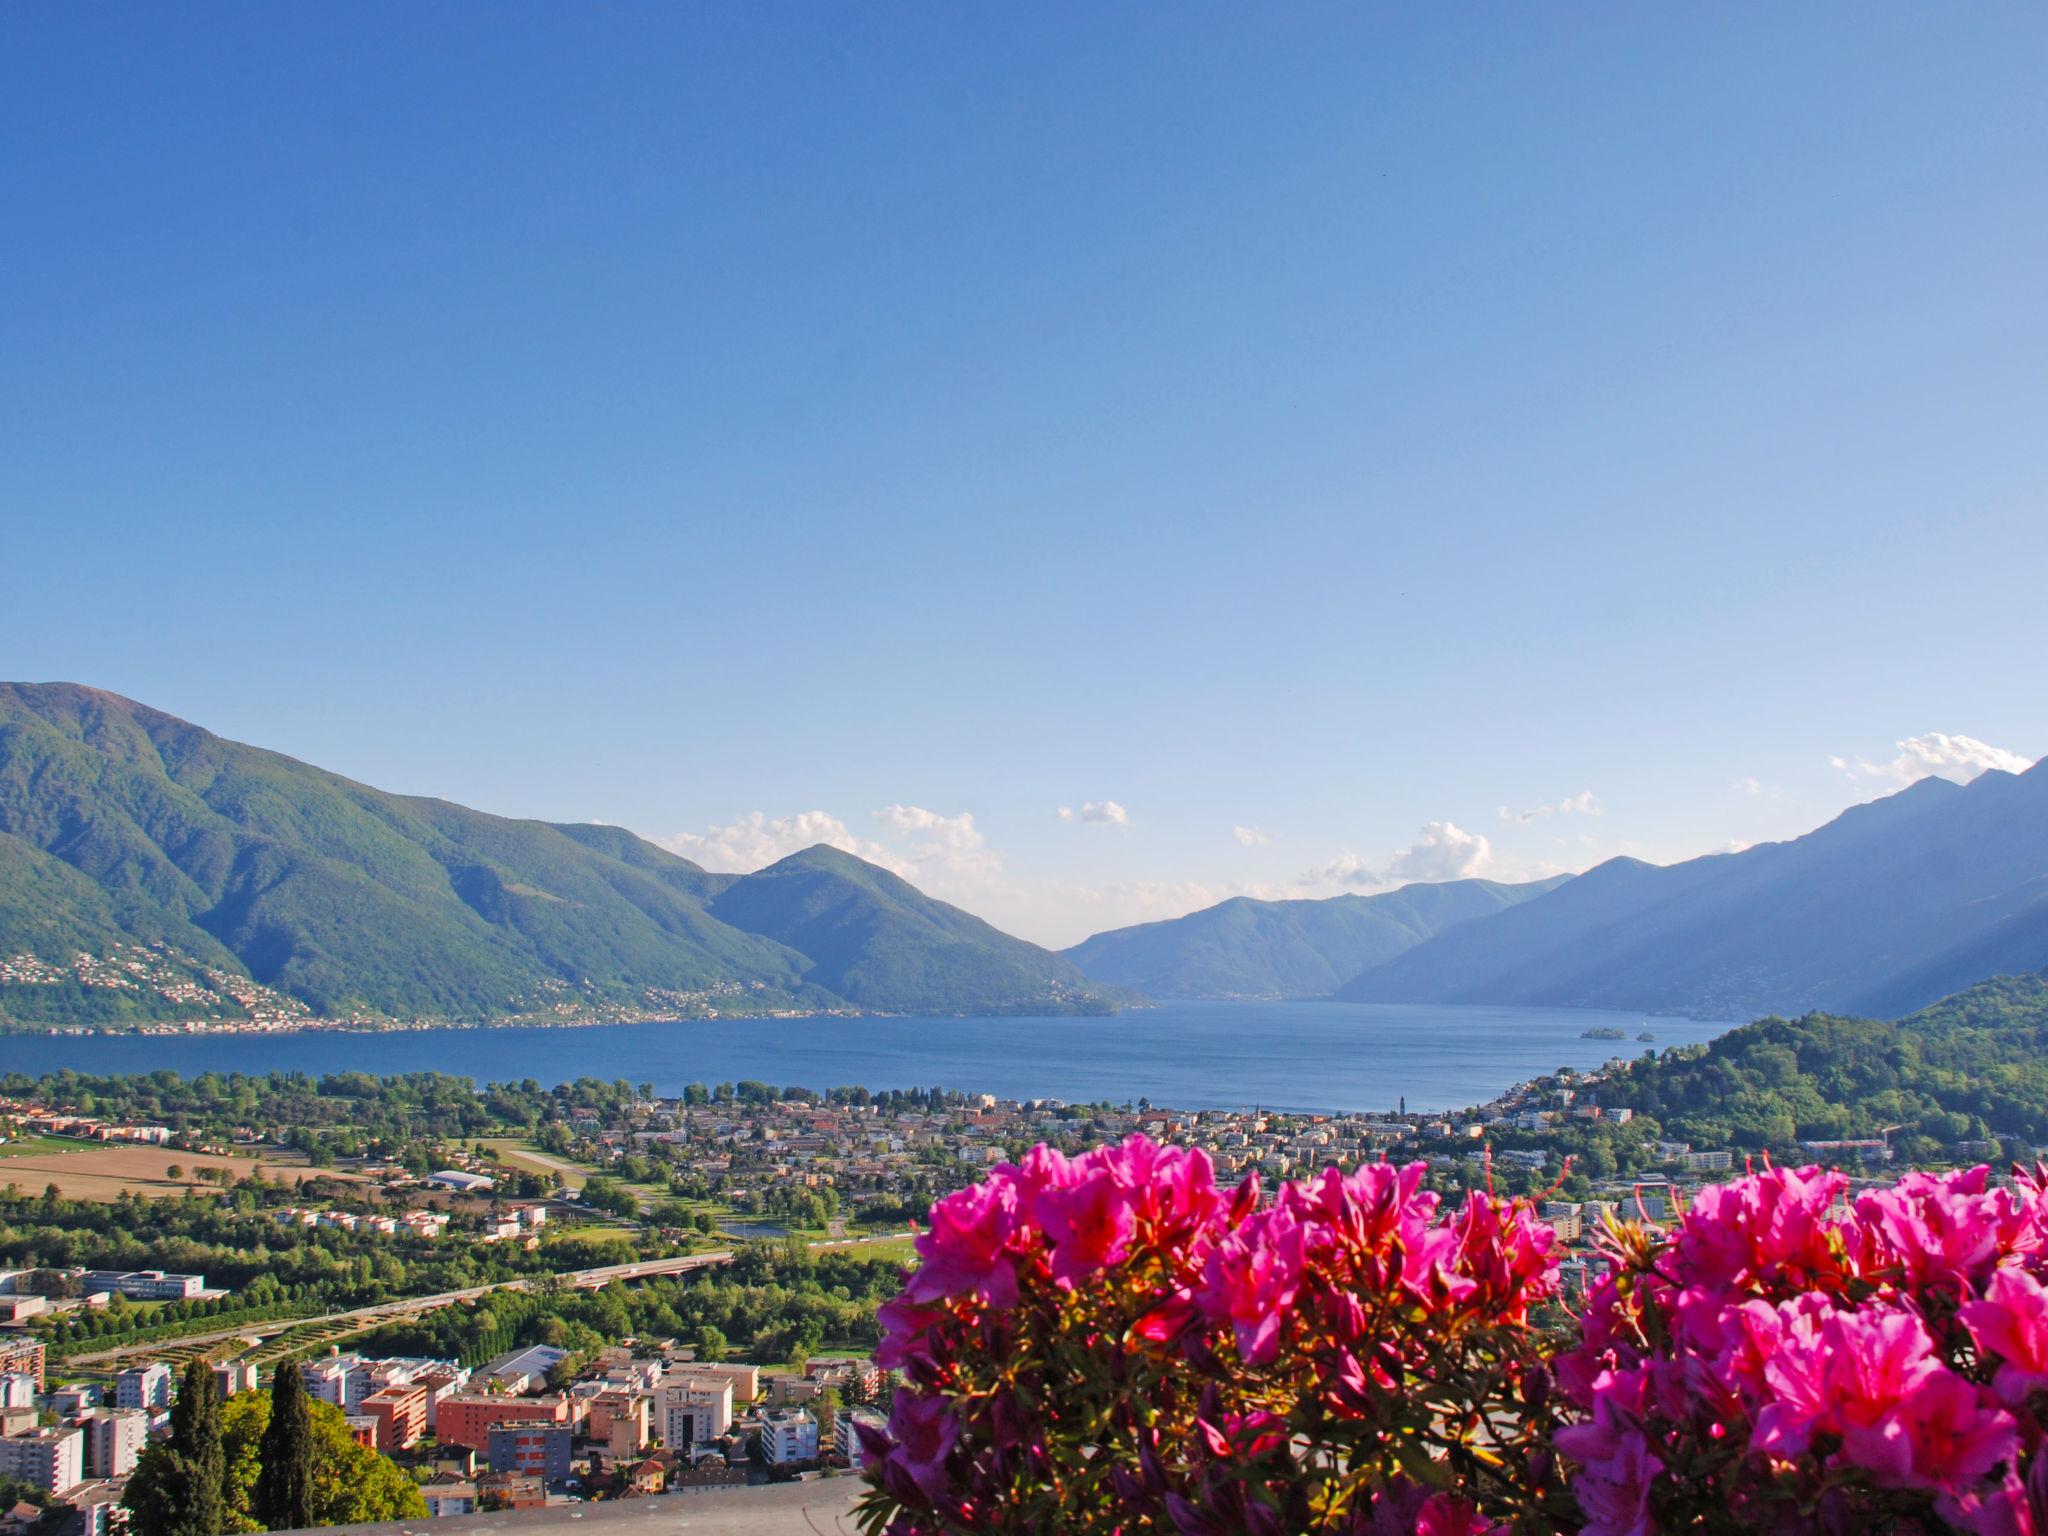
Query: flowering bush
{"x":1787,"y":1361}
{"x":1111,"y":1344}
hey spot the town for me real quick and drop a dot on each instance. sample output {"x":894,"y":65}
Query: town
{"x":437,"y":1259}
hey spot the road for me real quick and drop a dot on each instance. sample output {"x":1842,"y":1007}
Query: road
{"x":390,"y":1311}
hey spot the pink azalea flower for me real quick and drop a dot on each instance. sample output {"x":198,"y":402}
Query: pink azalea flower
{"x":1616,"y":1465}
{"x":966,"y":1250}
{"x":903,"y":1325}
{"x":1251,"y":1279}
{"x":925,"y":1432}
{"x":1956,"y":1439}
{"x":2011,"y":1323}
{"x":1943,"y":1229}
{"x":1770,"y":1227}
{"x":1445,"y":1514}
{"x":1090,"y":1224}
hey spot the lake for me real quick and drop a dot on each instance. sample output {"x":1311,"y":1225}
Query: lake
{"x":1291,"y":1056}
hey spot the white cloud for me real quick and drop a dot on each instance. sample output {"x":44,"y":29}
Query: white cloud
{"x":757,"y":839}
{"x":1749,"y":784}
{"x":1105,"y":812}
{"x":957,"y":832}
{"x":1250,"y":837}
{"x":949,"y":852}
{"x":1445,"y":851}
{"x":1584,"y":803}
{"x":1934,"y":754}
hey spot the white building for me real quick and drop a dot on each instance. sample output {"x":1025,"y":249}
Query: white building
{"x":695,"y":1410}
{"x":789,"y":1435}
{"x":52,"y":1459}
{"x":17,"y":1390}
{"x":114,"y":1438}
{"x":846,"y":1435}
{"x":144,"y":1386}
{"x":462,"y":1183}
{"x":339,"y":1380}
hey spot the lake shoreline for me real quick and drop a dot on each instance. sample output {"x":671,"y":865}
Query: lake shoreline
{"x":1305,"y":1057}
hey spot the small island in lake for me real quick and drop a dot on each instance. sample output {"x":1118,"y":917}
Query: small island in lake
{"x":1603,"y":1032}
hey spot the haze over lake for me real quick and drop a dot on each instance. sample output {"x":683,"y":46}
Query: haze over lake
{"x":1293,"y":1056}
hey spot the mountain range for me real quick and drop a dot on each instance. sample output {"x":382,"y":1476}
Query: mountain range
{"x":1244,"y":948}
{"x":150,"y":869}
{"x":1888,"y":907}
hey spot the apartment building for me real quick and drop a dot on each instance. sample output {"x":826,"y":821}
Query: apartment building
{"x":51,"y":1458}
{"x":789,"y":1436}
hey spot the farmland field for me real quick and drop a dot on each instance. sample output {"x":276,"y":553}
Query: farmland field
{"x":102,"y":1172}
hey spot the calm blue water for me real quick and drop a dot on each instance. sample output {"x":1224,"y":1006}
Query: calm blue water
{"x":1297,"y":1056}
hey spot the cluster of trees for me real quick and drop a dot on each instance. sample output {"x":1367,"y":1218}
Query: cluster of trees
{"x":1973,"y":1068}
{"x":1962,"y":1080}
{"x":775,"y":1301}
{"x":274,"y":1461}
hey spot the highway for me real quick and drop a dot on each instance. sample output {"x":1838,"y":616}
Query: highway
{"x":365,"y":1318}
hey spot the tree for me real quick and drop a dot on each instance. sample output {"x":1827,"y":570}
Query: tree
{"x":349,"y":1483}
{"x":179,"y":1485}
{"x":283,"y":1498}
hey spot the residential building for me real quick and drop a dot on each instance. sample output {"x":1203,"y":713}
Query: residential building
{"x":846,"y":1433}
{"x":695,"y":1410}
{"x":233,"y":1376}
{"x":24,"y":1355}
{"x":621,"y":1419}
{"x":536,"y":1448}
{"x":465,"y":1418}
{"x":449,"y":1496}
{"x":511,"y":1490}
{"x":401,"y":1415}
{"x":789,"y":1436}
{"x":745,"y":1379}
{"x":76,"y":1398}
{"x":96,"y":1508}
{"x":113,"y":1440}
{"x":329,"y":1380}
{"x":144,"y":1386}
{"x":51,"y":1458}
{"x":17,"y":1390}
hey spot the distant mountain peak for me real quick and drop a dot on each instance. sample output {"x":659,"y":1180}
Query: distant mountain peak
{"x":122,"y":826}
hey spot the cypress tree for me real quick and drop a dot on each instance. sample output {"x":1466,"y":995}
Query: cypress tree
{"x":196,"y":1434}
{"x":179,"y":1487}
{"x":284,"y":1482}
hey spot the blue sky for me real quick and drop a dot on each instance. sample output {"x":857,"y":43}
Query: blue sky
{"x":1312,"y":431}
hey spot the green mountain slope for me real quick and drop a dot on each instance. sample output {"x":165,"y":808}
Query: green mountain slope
{"x":119,"y":823}
{"x":1973,"y":1067}
{"x":1886,"y":908}
{"x":1247,"y":948}
{"x":881,"y":943}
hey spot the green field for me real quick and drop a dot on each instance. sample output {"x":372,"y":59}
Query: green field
{"x":35,"y":1146}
